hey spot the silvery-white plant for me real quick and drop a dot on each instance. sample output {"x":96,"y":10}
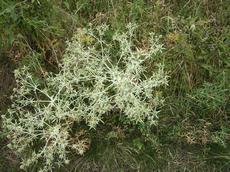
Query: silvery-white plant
{"x":98,"y":75}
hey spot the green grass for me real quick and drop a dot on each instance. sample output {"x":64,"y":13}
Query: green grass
{"x":193,"y":132}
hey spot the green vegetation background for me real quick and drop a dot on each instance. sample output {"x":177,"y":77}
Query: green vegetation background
{"x":193,"y":133}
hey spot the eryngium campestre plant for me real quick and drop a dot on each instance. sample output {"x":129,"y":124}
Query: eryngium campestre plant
{"x":98,"y":76}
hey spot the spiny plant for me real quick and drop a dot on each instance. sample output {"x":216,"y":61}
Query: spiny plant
{"x":98,"y":76}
